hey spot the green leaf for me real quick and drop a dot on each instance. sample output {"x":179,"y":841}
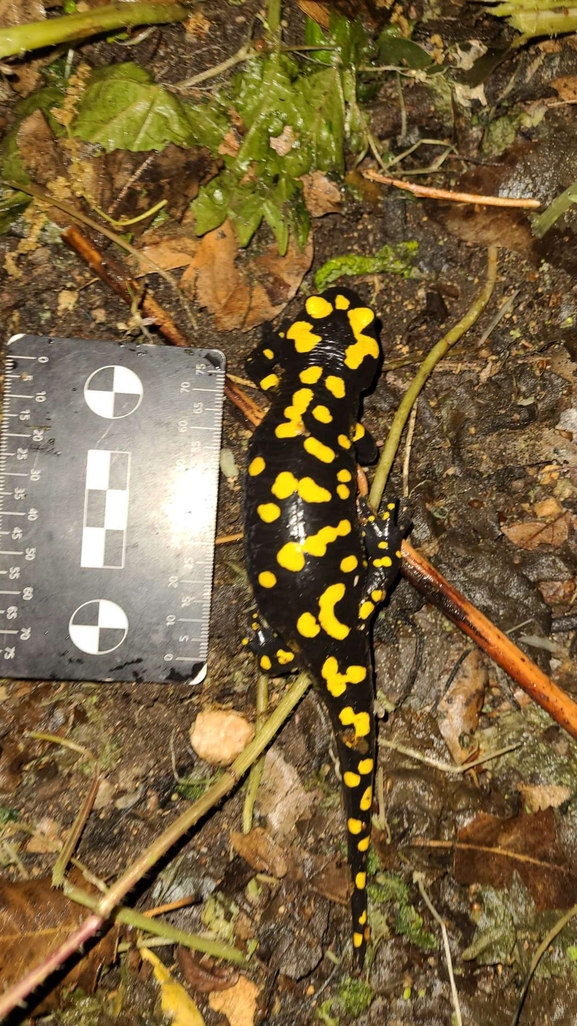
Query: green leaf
{"x":122,"y":108}
{"x":395,"y":49}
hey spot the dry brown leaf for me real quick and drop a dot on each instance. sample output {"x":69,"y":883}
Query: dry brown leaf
{"x":459,"y":709}
{"x":322,"y":196}
{"x":238,"y":1004}
{"x":219,"y":735}
{"x":244,"y":293}
{"x":260,"y":851}
{"x":548,"y":507}
{"x":318,"y":12}
{"x":204,"y":974}
{"x":490,"y":850}
{"x":566,"y":86}
{"x":39,"y":150}
{"x":531,"y":533}
{"x":538,"y":797}
{"x":557,"y":592}
{"x":46,"y":837}
{"x":170,"y":252}
{"x":281,"y":796}
{"x":34,"y":919}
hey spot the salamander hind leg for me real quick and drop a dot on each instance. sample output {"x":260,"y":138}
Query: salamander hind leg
{"x":261,"y":362}
{"x":273,"y":655}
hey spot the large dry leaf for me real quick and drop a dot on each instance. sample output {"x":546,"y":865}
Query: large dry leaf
{"x":490,"y":850}
{"x":261,"y":852}
{"x":322,"y":195}
{"x":176,"y":1004}
{"x":239,"y":1004}
{"x":460,"y":707}
{"x":531,"y":533}
{"x":243,"y":294}
{"x":34,"y":920}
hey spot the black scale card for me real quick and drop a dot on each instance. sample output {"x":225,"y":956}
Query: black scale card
{"x":109,"y":461}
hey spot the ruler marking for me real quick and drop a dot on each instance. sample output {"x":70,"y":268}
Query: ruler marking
{"x":11,"y":552}
{"x":14,"y":434}
{"x":8,"y":632}
{"x":18,"y":395}
{"x":20,"y":356}
{"x":10,"y":592}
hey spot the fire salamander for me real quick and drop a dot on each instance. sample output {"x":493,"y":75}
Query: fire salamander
{"x":318,"y":567}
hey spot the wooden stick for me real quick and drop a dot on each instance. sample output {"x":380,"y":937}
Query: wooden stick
{"x":542,"y":689}
{"x":455,"y":197}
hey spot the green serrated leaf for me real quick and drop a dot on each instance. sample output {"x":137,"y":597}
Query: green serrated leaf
{"x":394,"y":259}
{"x":124,"y":109}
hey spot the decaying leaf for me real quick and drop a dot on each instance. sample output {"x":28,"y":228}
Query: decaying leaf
{"x":322,"y":196}
{"x":318,"y":12}
{"x":260,"y":851}
{"x":176,"y":1004}
{"x":238,"y":1004}
{"x":34,"y":919}
{"x":282,"y":797}
{"x":538,"y":797}
{"x":243,"y":295}
{"x":491,"y":850}
{"x":219,"y":735}
{"x":459,"y":709}
{"x":531,"y":533}
{"x":204,"y":974}
{"x":39,"y":150}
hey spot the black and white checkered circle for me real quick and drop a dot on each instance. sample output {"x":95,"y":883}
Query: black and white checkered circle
{"x":113,"y":392}
{"x":97,"y":627}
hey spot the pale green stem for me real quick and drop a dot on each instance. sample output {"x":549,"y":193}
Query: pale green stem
{"x":425,"y":370}
{"x":99,"y":20}
{"x":255,"y":776}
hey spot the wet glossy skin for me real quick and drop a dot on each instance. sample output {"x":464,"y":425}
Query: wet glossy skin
{"x":317,"y":570}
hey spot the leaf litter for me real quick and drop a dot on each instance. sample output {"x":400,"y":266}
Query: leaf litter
{"x":486,"y":452}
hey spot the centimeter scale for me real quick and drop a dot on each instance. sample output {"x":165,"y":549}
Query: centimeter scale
{"x":109,"y":460}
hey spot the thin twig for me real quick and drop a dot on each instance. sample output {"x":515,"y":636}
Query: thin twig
{"x":391,"y":445}
{"x":76,"y":832}
{"x":241,"y":55}
{"x":255,"y":775}
{"x":64,"y":742}
{"x":418,"y":879}
{"x":547,"y":940}
{"x":446,"y":767}
{"x":408,"y":447}
{"x":455,"y":197}
{"x":16,"y":994}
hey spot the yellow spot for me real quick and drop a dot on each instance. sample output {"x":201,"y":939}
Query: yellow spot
{"x":359,"y":318}
{"x":357,"y":940}
{"x":322,"y":414}
{"x":268,"y":512}
{"x":310,"y":491}
{"x":294,"y":413}
{"x":284,"y":485}
{"x":319,"y":450}
{"x":267,"y":579}
{"x":351,"y":779}
{"x":363,"y":918}
{"x":355,"y":826}
{"x":361,"y":881}
{"x":366,"y":609}
{"x":365,"y":766}
{"x":344,"y":475}
{"x":367,"y":799}
{"x":271,"y":381}
{"x":364,"y":844}
{"x":349,"y":563}
{"x":377,"y":595}
{"x":301,"y":333}
{"x":290,"y":557}
{"x":383,"y":561}
{"x":344,"y":442}
{"x":336,"y":386}
{"x":360,"y":721}
{"x":391,"y":505}
{"x":244,"y":641}
{"x":256,"y":466}
{"x":327,"y":617}
{"x":316,"y":544}
{"x":360,"y":431}
{"x":399,"y":554}
{"x":284,"y":657}
{"x":311,"y":375}
{"x":383,"y":544}
{"x":265,"y":663}
{"x":336,"y":681}
{"x":343,"y":492}
{"x":317,"y":307}
{"x":307,"y":626}
{"x":289,"y":430}
{"x":342,"y":303}
{"x":268,"y":353}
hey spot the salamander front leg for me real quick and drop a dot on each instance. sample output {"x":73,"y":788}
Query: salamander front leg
{"x":260,"y":363}
{"x":383,"y":537}
{"x":273,"y":655}
{"x":365,"y":446}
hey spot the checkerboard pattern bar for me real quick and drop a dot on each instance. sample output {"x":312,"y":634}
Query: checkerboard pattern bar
{"x":105,"y":509}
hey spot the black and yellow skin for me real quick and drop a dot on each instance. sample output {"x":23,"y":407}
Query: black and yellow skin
{"x":318,"y":565}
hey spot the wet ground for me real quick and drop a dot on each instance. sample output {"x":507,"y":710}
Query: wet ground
{"x":491,"y":489}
